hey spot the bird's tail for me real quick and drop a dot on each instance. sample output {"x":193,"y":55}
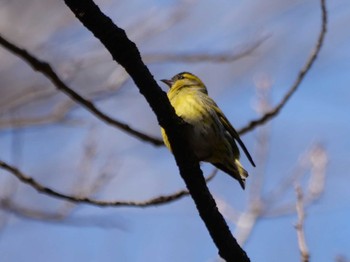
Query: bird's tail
{"x":235,"y":170}
{"x":243,"y":174}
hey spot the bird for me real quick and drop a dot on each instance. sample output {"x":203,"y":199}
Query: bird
{"x":211,"y":135}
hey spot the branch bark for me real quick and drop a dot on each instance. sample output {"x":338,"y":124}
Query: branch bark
{"x":46,"y":69}
{"x":304,"y":251}
{"x":160,"y":200}
{"x":126,"y":54}
{"x":304,"y":70}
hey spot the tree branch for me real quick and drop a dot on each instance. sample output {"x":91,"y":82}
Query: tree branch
{"x":46,"y":69}
{"x":315,"y":161}
{"x":224,"y":57}
{"x":304,"y":251}
{"x":126,"y":53}
{"x":305,"y":69}
{"x":165,"y":199}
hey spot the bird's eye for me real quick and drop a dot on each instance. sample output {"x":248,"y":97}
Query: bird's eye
{"x":181,"y":77}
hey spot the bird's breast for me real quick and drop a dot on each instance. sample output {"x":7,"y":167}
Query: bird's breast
{"x":206,"y":130}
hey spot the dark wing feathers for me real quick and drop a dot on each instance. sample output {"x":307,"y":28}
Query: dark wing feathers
{"x":233,"y":133}
{"x":229,"y":128}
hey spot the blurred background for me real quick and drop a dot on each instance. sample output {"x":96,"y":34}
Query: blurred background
{"x":248,"y":53}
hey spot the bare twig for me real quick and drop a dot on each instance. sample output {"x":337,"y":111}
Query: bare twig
{"x":25,"y":96}
{"x":126,"y":53}
{"x":81,"y":187}
{"x":260,"y":207}
{"x":58,"y":114}
{"x":225,"y":57}
{"x":78,"y":199}
{"x":319,"y":162}
{"x":46,"y":69}
{"x":59,"y":111}
{"x":8,"y":205}
{"x":305,"y":69}
{"x":305,"y":256}
{"x":263,"y":104}
{"x":247,"y":220}
{"x":315,"y":161}
{"x":150,"y":24}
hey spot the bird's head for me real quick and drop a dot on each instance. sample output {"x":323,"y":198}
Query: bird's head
{"x":185,"y":80}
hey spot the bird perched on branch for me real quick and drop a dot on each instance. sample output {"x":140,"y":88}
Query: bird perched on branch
{"x":211,"y":135}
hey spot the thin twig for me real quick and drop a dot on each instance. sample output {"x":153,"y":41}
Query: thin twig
{"x":126,"y":53}
{"x":224,"y":57}
{"x":58,"y":114}
{"x":314,"y":161}
{"x":304,"y":251}
{"x":305,"y":69}
{"x":8,"y":205}
{"x":246,"y":221}
{"x":46,"y":69}
{"x":78,"y":199}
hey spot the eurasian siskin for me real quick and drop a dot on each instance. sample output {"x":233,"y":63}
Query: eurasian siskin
{"x":211,"y":135}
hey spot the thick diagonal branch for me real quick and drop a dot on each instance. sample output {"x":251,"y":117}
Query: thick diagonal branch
{"x":126,"y":53}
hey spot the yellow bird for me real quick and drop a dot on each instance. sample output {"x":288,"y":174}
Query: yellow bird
{"x":211,"y":135}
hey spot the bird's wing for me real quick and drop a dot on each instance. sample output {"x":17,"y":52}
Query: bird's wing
{"x":233,"y":132}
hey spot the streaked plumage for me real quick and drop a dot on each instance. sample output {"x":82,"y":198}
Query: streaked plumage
{"x":212,"y":137}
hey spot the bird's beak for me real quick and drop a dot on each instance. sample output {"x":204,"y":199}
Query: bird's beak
{"x":169,"y":83}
